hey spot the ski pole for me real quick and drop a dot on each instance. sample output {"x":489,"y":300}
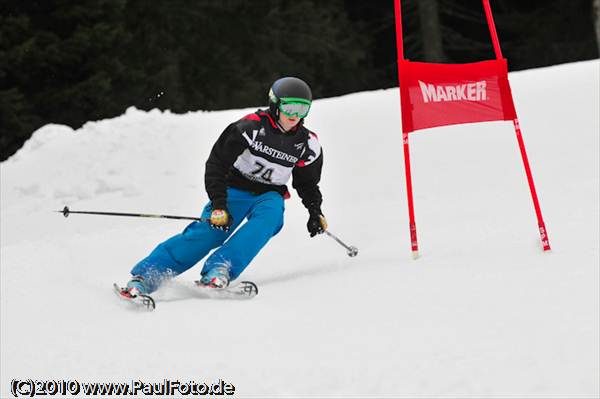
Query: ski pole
{"x":351,"y":250}
{"x":66,"y":212}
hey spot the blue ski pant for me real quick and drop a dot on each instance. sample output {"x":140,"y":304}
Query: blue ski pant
{"x":236,"y":248}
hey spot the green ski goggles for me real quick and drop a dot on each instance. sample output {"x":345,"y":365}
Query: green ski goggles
{"x":291,"y":106}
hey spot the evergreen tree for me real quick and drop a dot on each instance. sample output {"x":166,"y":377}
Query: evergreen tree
{"x":212,"y":55}
{"x":69,"y":62}
{"x":57,"y":65}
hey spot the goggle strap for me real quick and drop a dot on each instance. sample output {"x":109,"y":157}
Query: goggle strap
{"x":295,"y":100}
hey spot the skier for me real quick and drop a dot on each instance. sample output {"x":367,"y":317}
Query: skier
{"x":245,"y":178}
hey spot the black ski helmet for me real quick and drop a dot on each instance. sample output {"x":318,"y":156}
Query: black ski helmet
{"x":285,"y":88}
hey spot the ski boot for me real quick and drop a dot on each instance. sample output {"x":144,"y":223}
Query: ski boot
{"x":135,"y":287}
{"x":135,"y":292}
{"x":218,"y":277}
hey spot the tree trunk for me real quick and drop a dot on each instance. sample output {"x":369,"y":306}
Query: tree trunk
{"x":431,"y":31}
{"x":596,"y":16}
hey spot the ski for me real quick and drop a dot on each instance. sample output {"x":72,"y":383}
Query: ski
{"x":141,"y":301}
{"x":243,"y":290}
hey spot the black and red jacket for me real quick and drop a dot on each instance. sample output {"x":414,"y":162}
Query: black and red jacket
{"x":254,"y":155}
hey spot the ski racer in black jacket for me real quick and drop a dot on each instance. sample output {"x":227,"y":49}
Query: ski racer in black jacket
{"x":246,"y":176}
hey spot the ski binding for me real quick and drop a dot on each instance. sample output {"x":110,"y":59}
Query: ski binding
{"x":243,"y":290}
{"x":141,"y":300}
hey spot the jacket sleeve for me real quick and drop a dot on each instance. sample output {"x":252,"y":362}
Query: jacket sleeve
{"x":306,"y":177}
{"x":225,"y":151}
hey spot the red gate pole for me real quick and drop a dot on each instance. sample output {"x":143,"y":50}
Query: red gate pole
{"x":536,"y":203}
{"x":409,"y":193}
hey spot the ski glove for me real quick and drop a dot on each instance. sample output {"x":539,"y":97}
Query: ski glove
{"x":317,"y":224}
{"x":220,"y":219}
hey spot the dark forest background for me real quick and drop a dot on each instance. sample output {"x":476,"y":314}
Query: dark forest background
{"x":66,"y":61}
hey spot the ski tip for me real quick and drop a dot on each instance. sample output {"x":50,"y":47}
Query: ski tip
{"x":415,"y":255}
{"x":148,"y":302}
{"x":250,"y":287}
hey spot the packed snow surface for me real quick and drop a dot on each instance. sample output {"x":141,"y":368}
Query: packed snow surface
{"x":484,"y":312}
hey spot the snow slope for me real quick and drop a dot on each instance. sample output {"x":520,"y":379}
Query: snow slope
{"x":483,"y":313}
